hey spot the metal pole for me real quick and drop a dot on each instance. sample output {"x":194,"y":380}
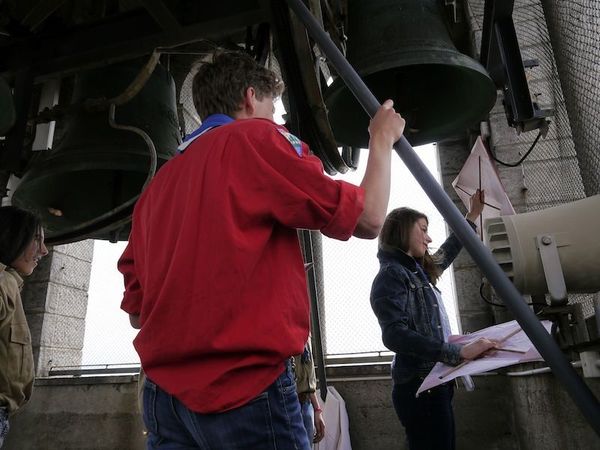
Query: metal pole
{"x":577,"y":389}
{"x":315,"y":320}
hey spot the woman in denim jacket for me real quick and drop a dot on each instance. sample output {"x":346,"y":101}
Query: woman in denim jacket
{"x":414,"y":323}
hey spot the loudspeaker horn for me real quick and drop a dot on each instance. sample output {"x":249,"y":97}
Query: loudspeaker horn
{"x":515,"y":242}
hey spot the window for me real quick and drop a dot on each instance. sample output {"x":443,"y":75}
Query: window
{"x":349,"y":267}
{"x":108,"y":334}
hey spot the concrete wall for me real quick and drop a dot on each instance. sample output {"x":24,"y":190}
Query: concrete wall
{"x":482,"y":416}
{"x":102,"y":413}
{"x":55,"y":301}
{"x":503,"y":413}
{"x":85,"y":413}
{"x":545,"y":416}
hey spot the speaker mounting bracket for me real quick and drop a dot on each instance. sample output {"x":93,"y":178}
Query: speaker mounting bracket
{"x":553,"y":272}
{"x":501,"y":56}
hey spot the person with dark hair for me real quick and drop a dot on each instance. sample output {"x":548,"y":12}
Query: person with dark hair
{"x":214,"y":277}
{"x":415,"y":325}
{"x":21,"y":247}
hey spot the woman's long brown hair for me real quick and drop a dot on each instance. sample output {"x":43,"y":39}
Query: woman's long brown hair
{"x":395,"y":235}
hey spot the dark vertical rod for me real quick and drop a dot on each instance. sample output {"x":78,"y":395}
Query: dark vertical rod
{"x":574,"y":385}
{"x":12,"y":157}
{"x":480,"y":215}
{"x":315,"y":320}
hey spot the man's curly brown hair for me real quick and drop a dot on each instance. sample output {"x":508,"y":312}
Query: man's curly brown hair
{"x":219,"y":85}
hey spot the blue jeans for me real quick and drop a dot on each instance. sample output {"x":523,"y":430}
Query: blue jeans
{"x":4,"y":425}
{"x":272,"y":421}
{"x":308,"y":416}
{"x":428,"y":420}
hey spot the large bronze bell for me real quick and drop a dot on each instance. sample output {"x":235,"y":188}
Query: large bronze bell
{"x":87,"y":185}
{"x":402,"y":50}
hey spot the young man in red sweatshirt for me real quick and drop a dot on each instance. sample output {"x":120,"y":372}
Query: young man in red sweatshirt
{"x":214,"y":277}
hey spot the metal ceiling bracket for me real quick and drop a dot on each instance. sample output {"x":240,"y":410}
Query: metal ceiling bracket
{"x":501,"y":56}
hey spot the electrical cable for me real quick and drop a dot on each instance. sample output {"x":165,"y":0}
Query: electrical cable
{"x":524,"y":156}
{"x":489,"y":302}
{"x":502,"y":305}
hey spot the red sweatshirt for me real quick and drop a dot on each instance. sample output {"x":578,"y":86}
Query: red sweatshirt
{"x":213,"y":266}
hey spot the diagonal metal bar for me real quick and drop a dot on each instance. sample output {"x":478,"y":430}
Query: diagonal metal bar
{"x":161,"y":14}
{"x":40,"y":12}
{"x":573,"y":384}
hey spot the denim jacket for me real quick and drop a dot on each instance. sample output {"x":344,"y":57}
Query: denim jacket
{"x":408,"y":312}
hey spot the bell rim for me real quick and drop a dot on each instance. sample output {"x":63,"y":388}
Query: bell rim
{"x":54,"y":170}
{"x":458,"y":61}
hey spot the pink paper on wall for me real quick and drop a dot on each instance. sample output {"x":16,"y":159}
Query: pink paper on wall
{"x":479,"y":172}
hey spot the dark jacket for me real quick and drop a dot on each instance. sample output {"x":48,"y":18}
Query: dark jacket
{"x":408,"y":312}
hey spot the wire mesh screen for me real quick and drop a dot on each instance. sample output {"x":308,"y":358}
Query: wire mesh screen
{"x":563,"y":38}
{"x":551,"y":172}
{"x":350,"y":325}
{"x":108,"y":333}
{"x":190,"y":116}
{"x":574,"y":29}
